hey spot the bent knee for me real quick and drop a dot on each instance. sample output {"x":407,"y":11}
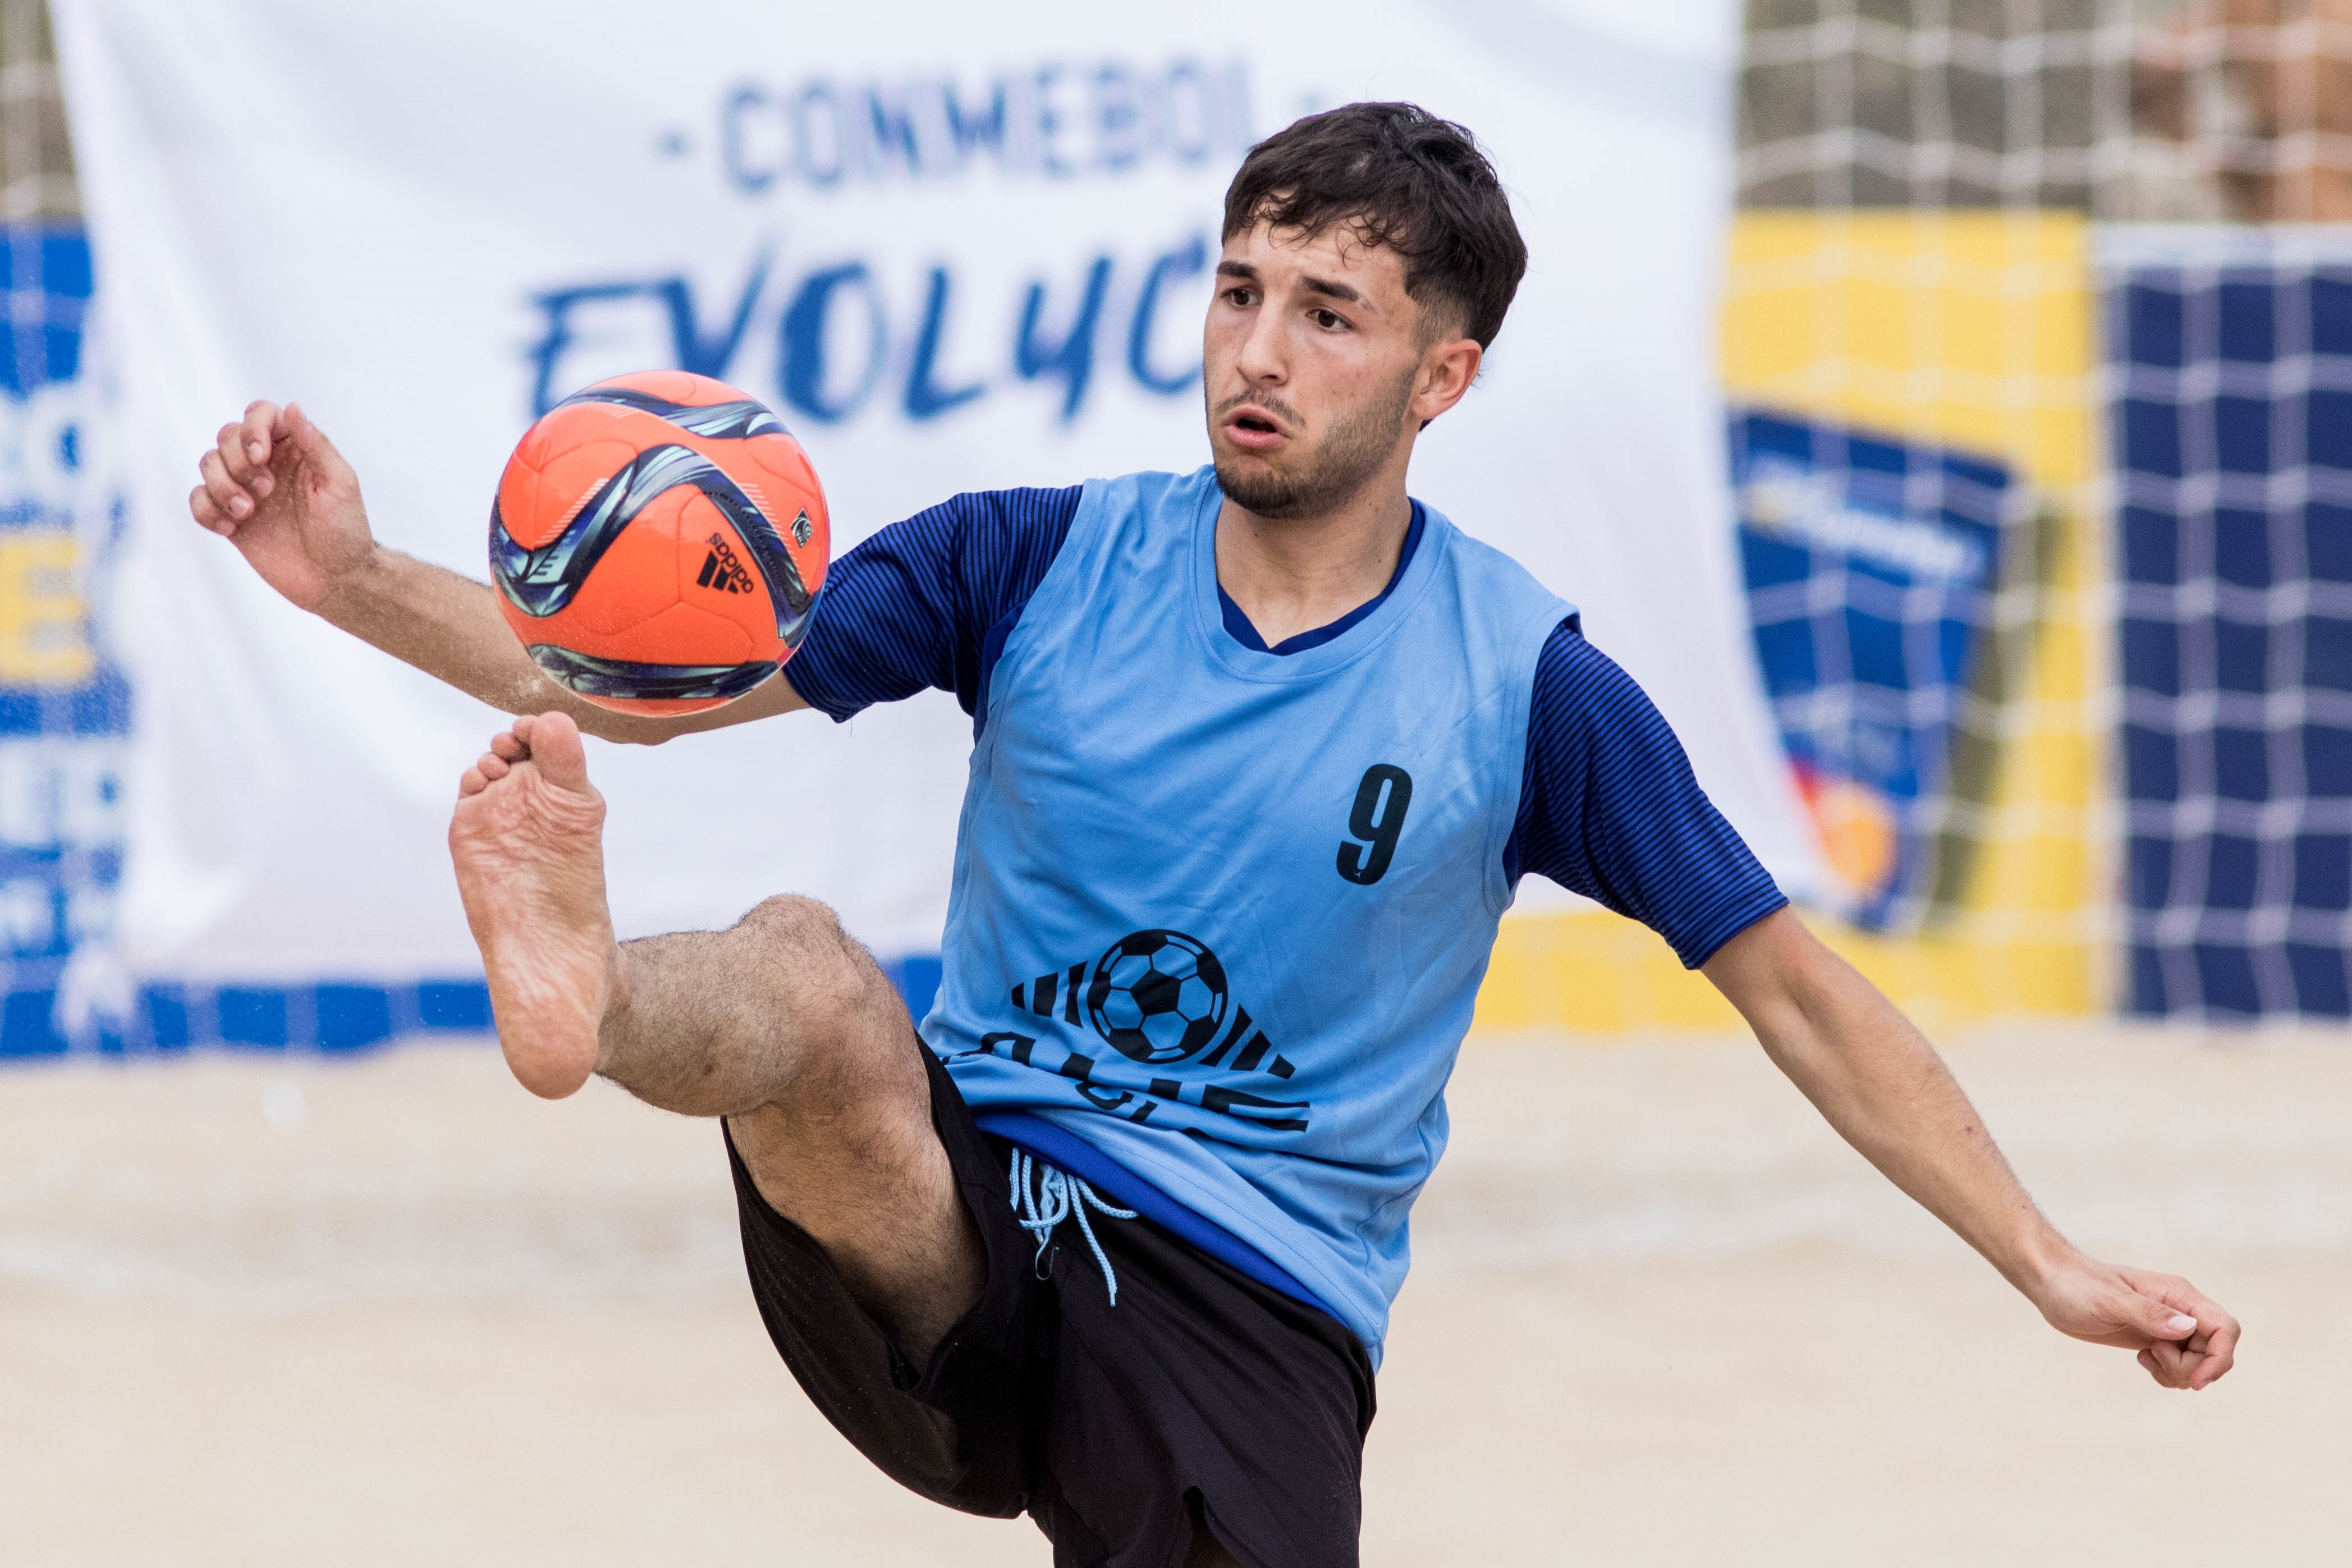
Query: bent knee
{"x":840,"y":1020}
{"x":793,"y":919}
{"x":825,"y":967}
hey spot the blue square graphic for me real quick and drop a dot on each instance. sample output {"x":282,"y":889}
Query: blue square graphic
{"x":2230,"y":427}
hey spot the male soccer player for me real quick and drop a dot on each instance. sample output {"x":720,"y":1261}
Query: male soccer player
{"x":1260,"y":753}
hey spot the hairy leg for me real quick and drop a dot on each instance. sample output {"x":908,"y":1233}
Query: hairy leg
{"x":780,"y":1024}
{"x":785,"y":1024}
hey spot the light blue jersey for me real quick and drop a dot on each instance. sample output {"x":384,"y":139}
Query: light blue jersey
{"x":1221,"y":914}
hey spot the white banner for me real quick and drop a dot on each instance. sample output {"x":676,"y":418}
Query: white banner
{"x":955,"y":247}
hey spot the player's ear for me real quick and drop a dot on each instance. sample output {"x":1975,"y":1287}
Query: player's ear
{"x":1447,"y":371}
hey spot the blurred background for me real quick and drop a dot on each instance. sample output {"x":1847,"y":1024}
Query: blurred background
{"x":1983,"y":514}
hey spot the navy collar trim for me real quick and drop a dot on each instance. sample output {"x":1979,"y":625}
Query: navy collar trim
{"x":1238,"y":627}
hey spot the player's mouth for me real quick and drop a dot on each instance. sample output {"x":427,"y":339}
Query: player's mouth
{"x":1253,"y":429}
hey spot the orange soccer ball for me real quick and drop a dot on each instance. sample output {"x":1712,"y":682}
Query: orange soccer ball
{"x":658,"y":542}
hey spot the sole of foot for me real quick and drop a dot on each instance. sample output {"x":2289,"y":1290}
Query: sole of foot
{"x":528,"y":842}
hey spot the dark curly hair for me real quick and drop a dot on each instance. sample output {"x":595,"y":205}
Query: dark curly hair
{"x":1400,"y":177}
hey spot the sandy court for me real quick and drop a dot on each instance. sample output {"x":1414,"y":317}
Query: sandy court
{"x":392,"y":1311}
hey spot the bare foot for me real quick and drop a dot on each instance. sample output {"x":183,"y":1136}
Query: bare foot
{"x":528,"y":839}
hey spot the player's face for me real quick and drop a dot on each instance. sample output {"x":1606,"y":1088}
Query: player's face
{"x":1319,"y":370}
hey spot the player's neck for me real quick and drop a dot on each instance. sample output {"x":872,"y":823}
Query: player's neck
{"x":1293,"y":575}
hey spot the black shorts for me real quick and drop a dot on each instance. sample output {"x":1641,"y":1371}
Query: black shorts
{"x":1203,"y":1392}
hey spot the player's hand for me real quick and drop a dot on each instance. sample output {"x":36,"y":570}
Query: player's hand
{"x":2184,"y":1338}
{"x":275,"y":488}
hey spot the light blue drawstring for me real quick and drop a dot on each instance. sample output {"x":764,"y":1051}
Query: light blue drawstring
{"x":1065,"y":1196}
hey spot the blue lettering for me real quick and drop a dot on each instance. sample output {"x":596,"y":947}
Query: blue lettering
{"x":1072,"y":359}
{"x":1050,"y":121}
{"x":1059,"y":119}
{"x":1184,"y":106}
{"x":559,"y":304}
{"x":1184,"y":263}
{"x":801,"y":343}
{"x":805,"y":127}
{"x":893,"y":134}
{"x":926,"y":400}
{"x":975,"y":129}
{"x":935,"y":137}
{"x":746,"y":175}
{"x":1119,"y":118}
{"x":710,"y":356}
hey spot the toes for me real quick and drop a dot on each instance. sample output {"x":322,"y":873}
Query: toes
{"x":554,"y":742}
{"x":508,"y":745}
{"x":491,"y":767}
{"x":472,"y":783}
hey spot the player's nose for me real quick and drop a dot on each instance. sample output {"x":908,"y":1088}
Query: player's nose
{"x":1262,"y":361}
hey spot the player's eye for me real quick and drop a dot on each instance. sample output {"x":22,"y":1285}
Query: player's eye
{"x":1241,"y":298}
{"x":1329,"y":321}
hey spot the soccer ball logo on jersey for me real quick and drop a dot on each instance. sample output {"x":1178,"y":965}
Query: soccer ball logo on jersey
{"x":1159,"y":998}
{"x":1156,"y":996}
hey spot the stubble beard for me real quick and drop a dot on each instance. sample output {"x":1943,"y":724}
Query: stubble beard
{"x":1341,"y":465}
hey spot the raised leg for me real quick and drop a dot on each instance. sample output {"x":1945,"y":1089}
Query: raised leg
{"x":781,"y":1024}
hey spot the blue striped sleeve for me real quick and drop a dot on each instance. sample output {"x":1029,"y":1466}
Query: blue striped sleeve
{"x":911,"y":609}
{"x":1611,"y":810}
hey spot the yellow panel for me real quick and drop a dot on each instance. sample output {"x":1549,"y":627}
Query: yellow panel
{"x":1973,"y":329}
{"x":43,"y":635}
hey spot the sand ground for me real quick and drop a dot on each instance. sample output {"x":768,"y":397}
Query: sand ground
{"x":394,"y":1311}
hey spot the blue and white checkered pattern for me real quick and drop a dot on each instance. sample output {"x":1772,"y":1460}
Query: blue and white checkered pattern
{"x":65,"y":714}
{"x":63,"y":711}
{"x":2230,"y":354}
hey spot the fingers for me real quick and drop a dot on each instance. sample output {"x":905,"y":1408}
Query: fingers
{"x":2220,"y":1345}
{"x":235,"y":472}
{"x":2161,"y":1320}
{"x":2170,"y":1364}
{"x":2212,"y":1350}
{"x":258,"y":437}
{"x":2217,"y":1331}
{"x":2207,"y":1351}
{"x":209,"y":516}
{"x":230,"y":498}
{"x":311,"y":442}
{"x":244,"y":446}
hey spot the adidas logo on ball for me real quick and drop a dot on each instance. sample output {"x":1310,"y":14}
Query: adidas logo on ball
{"x":722,"y":570}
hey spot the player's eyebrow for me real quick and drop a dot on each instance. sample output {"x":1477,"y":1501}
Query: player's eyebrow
{"x":1330,"y":289}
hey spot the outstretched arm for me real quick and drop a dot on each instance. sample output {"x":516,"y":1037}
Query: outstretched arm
{"x":1870,"y":1071}
{"x":275,"y":488}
